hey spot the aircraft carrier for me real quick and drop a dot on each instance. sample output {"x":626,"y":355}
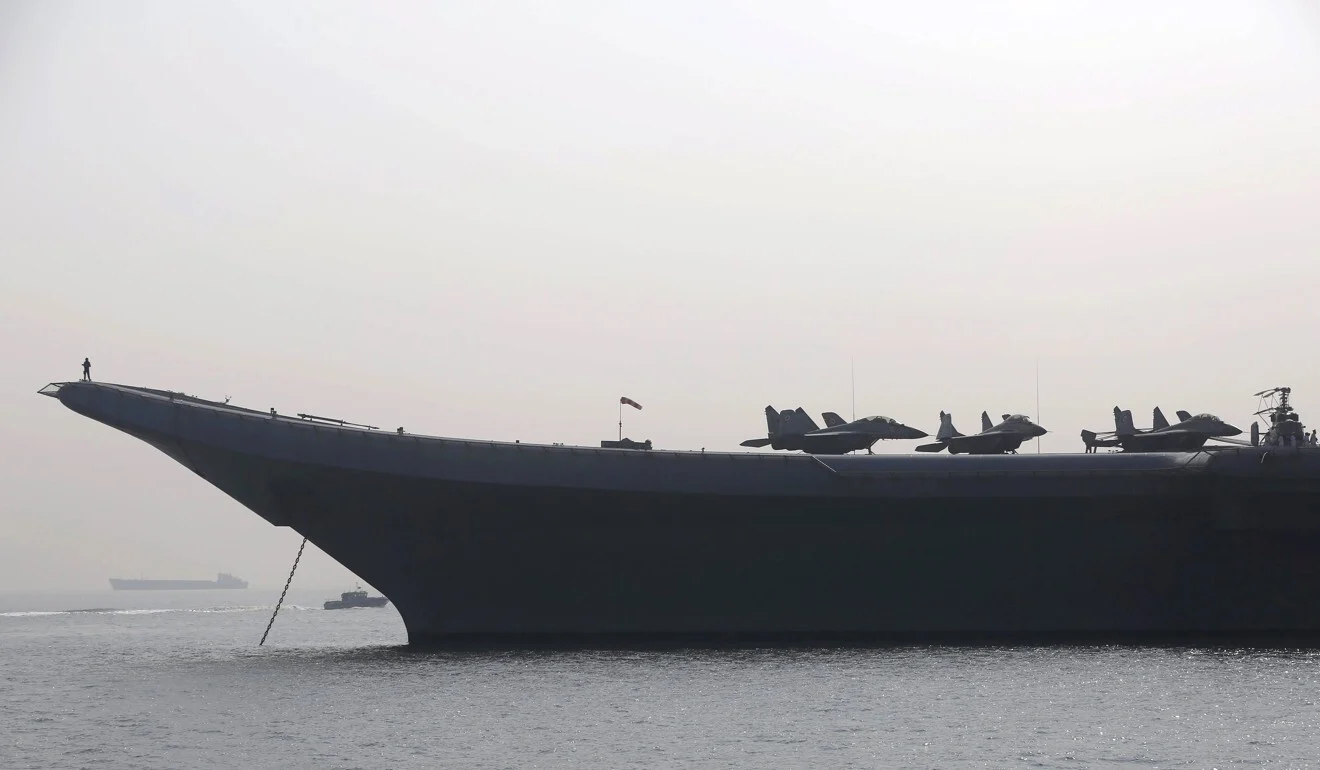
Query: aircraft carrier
{"x":498,"y":543}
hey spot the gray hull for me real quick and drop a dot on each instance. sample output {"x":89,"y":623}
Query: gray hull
{"x":492,"y":542}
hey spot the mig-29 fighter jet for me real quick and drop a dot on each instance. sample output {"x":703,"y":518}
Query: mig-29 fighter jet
{"x":793,"y":429}
{"x":1007,"y":436}
{"x":1187,"y":435}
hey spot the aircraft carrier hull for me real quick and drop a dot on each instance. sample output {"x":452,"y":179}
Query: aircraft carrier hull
{"x":497,"y":543}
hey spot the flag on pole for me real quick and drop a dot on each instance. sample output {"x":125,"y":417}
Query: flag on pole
{"x":629,"y":402}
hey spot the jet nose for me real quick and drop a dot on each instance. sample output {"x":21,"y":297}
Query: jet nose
{"x":1037,"y":430}
{"x":1229,"y":430}
{"x":916,"y":433}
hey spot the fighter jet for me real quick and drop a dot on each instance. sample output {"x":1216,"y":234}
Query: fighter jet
{"x":1007,"y":436}
{"x":1187,"y":435}
{"x":793,"y":429}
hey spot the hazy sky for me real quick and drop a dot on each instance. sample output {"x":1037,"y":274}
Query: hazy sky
{"x":492,"y":219}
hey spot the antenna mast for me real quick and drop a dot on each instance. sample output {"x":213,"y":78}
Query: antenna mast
{"x":1038,"y":402}
{"x":852,"y":371}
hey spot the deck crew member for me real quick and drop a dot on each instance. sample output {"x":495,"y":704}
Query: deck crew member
{"x":87,"y":370}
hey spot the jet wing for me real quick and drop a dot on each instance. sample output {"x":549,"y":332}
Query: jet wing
{"x":974,"y":440}
{"x":962,"y":443}
{"x":990,"y":441}
{"x":872,"y":429}
{"x":839,"y":431}
{"x":993,"y":433}
{"x":858,"y":428}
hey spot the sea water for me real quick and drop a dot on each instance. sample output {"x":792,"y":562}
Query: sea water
{"x":177,"y":680}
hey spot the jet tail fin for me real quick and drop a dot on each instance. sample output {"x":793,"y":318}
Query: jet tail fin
{"x":1123,"y":425}
{"x":946,"y":430}
{"x":1158,"y":419}
{"x":796,"y":422}
{"x":1183,"y":415}
{"x":771,"y":421}
{"x":985,"y":422}
{"x":833,"y":420}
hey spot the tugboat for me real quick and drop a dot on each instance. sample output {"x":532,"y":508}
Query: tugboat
{"x":356,"y":598}
{"x":1285,"y":429}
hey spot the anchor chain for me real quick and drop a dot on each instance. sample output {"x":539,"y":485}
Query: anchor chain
{"x":282,"y":593}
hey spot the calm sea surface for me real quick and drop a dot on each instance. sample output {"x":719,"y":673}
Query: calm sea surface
{"x":176,"y":680}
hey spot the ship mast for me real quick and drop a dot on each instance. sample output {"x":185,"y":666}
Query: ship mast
{"x":1038,"y":402}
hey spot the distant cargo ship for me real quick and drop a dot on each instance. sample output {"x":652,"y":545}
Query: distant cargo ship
{"x":223,"y":580}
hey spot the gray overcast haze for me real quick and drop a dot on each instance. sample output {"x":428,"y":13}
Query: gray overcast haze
{"x":492,"y":219}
